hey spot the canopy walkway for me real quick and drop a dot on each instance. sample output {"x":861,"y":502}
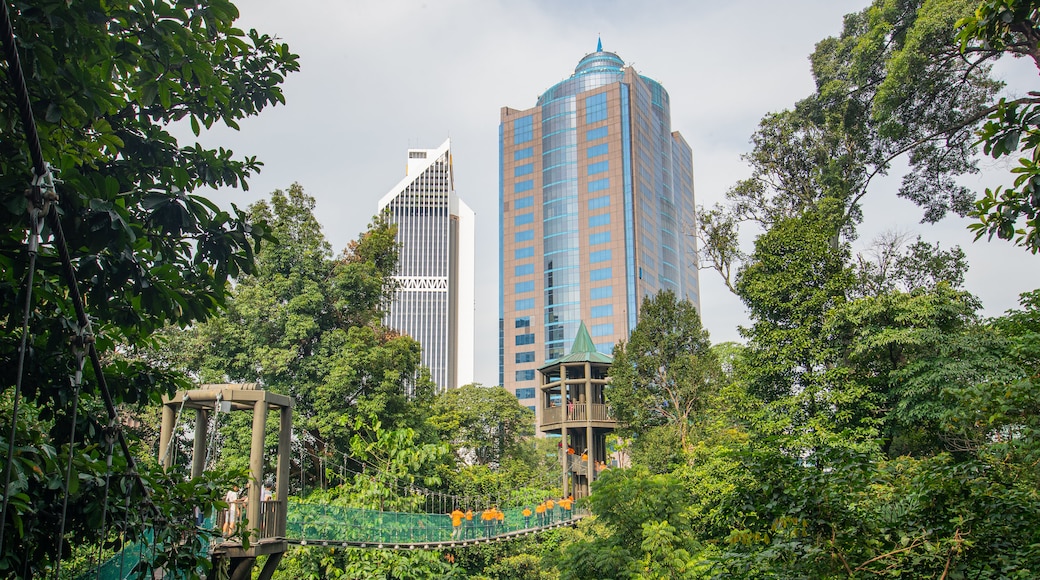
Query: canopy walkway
{"x":330,"y":526}
{"x":334,"y":526}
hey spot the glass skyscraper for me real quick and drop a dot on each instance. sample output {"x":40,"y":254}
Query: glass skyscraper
{"x":597,"y":208}
{"x":434,"y":299}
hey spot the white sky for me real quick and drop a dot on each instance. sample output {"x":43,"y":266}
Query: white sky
{"x":381,"y":76}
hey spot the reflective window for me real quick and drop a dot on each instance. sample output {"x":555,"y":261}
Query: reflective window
{"x":599,"y":184}
{"x":602,"y":329}
{"x":600,"y":256}
{"x":524,"y":218}
{"x":598,"y":167}
{"x":599,"y":220}
{"x":524,"y":304}
{"x":523,"y":236}
{"x":521,"y":253}
{"x":525,"y":169}
{"x":523,"y":130}
{"x":597,"y":150}
{"x":525,"y":357}
{"x":599,"y":238}
{"x":528,"y":392}
{"x":522,"y":322}
{"x":523,"y":270}
{"x":599,"y":202}
{"x":600,"y":274}
{"x":524,"y":339}
{"x":522,"y":202}
{"x":595,"y":108}
{"x":597,"y":133}
{"x":521,"y":287}
{"x":601,"y":292}
{"x":523,"y":153}
{"x":522,"y":186}
{"x":603,"y":311}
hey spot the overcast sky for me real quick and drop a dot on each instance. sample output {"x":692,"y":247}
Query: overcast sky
{"x":381,"y":76}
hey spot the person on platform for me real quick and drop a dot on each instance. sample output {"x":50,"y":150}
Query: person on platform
{"x":500,"y":520}
{"x":231,"y":515}
{"x":488,"y":517}
{"x":470,"y":524}
{"x":565,"y":504}
{"x":527,"y":517}
{"x":550,"y":505}
{"x":539,"y":513}
{"x":456,"y":523}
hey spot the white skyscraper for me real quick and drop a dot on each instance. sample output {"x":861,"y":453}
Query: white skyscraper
{"x":435,"y":274}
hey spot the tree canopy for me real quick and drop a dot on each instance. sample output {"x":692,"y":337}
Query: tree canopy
{"x":107,"y":81}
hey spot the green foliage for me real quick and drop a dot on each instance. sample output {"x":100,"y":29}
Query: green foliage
{"x":108,"y":81}
{"x":796,"y":275}
{"x":483,"y":424}
{"x":894,"y":85}
{"x":1013,"y":126}
{"x":308,"y":325}
{"x":665,"y":371}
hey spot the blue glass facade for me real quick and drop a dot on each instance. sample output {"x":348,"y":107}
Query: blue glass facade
{"x":609,"y":188}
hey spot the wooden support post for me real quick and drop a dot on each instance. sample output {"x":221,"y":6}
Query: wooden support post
{"x":198,"y":456}
{"x":282,"y":472}
{"x":564,"y":461}
{"x":169,"y":417}
{"x":256,"y":464}
{"x":589,"y":472}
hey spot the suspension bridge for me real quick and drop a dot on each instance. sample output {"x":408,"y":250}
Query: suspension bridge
{"x":435,"y":520}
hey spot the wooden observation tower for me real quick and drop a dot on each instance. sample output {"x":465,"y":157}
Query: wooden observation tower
{"x":266,"y":519}
{"x":572,"y":406}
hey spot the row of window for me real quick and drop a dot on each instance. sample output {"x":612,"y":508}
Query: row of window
{"x":561,"y":295}
{"x":597,"y":133}
{"x":597,"y":150}
{"x":598,"y":167}
{"x":523,"y":130}
{"x":595,"y":108}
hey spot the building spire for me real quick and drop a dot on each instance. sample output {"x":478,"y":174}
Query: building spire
{"x":582,"y":341}
{"x":599,"y":44}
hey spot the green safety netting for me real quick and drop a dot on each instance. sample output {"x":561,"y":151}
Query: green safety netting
{"x":121,"y":565}
{"x":319,"y":522}
{"x":329,"y":523}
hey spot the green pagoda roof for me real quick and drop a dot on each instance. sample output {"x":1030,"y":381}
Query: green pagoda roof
{"x":584,"y":350}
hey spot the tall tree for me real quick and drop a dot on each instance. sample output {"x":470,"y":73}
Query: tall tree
{"x":666,"y":371}
{"x":106,"y":81}
{"x":308,"y":325}
{"x":894,"y":85}
{"x":483,"y":424}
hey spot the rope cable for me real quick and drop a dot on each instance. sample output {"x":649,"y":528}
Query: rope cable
{"x":77,"y":384}
{"x":42,"y":173}
{"x":109,"y":444}
{"x":32,"y":247}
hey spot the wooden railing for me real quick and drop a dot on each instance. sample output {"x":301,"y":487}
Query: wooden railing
{"x":272,"y":518}
{"x":577,"y":412}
